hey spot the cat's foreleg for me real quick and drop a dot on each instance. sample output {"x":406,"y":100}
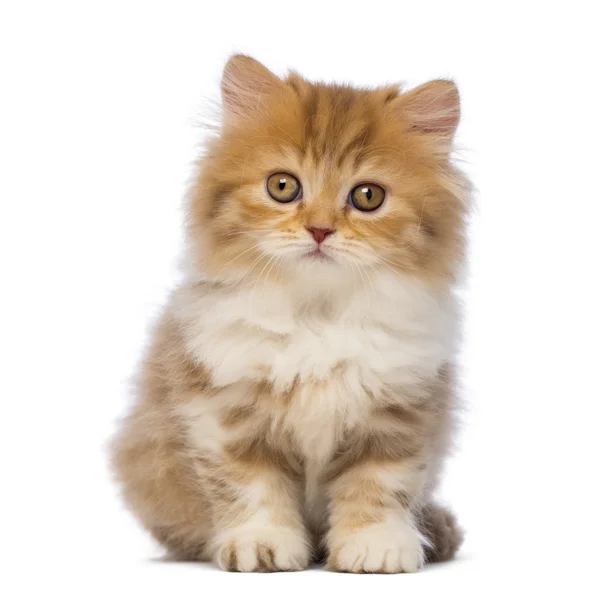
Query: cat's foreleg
{"x":372,"y":521}
{"x":257,"y":518}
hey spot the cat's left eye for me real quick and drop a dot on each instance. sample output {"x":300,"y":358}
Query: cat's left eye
{"x":283,"y":187}
{"x":367,"y":197}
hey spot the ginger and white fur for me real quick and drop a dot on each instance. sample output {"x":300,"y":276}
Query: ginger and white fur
{"x":291,"y":408}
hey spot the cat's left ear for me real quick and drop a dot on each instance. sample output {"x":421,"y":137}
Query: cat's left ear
{"x":432,"y":108}
{"x":246,"y":85}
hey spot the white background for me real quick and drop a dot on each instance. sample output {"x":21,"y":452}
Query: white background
{"x":99,"y":106}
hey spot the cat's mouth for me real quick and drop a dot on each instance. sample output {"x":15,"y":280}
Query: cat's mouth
{"x":318,"y":254}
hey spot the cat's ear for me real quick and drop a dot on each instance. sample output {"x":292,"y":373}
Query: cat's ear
{"x":246,"y":85}
{"x":432,"y":108}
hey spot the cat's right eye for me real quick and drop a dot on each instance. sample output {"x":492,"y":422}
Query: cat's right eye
{"x":283,"y":187}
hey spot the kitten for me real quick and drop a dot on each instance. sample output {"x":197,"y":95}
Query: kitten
{"x":297,"y":398}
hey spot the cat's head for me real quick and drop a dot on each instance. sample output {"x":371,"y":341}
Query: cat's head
{"x":318,"y":181}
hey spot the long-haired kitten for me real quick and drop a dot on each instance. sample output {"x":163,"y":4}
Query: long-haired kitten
{"x":297,"y":397}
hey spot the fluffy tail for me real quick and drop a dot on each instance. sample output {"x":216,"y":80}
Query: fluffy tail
{"x":440,"y":527}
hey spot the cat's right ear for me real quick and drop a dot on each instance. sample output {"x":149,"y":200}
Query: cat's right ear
{"x":246,"y":84}
{"x":432,"y":109}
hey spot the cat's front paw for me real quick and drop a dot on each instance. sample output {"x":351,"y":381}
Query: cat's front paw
{"x":269,"y":549}
{"x":379,"y":548}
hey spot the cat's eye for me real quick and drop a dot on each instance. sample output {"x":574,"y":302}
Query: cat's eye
{"x":283,"y":187}
{"x":367,"y":197}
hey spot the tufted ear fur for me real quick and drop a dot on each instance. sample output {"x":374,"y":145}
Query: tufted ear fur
{"x":432,"y":108}
{"x":246,"y":83}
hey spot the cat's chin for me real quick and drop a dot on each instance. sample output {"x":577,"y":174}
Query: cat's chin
{"x":321,"y":272}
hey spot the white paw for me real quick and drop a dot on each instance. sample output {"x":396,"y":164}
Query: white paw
{"x":380,"y":548}
{"x":262,"y":549}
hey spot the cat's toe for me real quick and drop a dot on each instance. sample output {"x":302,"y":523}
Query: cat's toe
{"x":375,"y":550}
{"x":263,"y":551}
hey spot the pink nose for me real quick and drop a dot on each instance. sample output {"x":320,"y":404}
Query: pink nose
{"x":319,"y":234}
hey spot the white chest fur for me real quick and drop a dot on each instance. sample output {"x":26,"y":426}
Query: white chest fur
{"x":337,"y":347}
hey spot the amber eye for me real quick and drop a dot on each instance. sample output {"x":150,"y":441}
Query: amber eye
{"x":283,"y":187}
{"x":367,"y":196}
